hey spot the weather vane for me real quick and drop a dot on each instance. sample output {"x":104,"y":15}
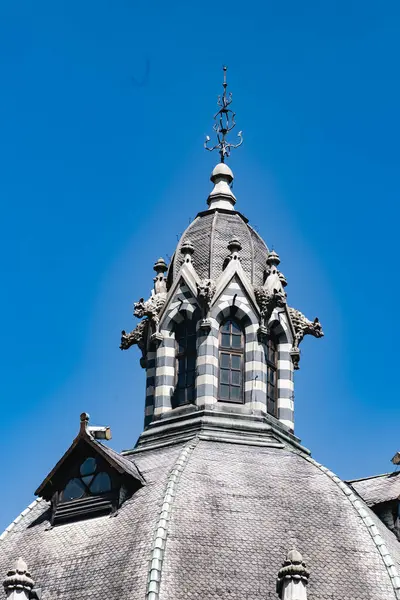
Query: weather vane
{"x":224,"y":123}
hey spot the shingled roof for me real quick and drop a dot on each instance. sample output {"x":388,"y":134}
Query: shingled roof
{"x":220,"y":518}
{"x":378,"y":489}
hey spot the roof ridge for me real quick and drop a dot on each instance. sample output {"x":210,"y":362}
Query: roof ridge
{"x":161,"y":529}
{"x":372,"y":477}
{"x":360,"y":507}
{"x":20,"y":517}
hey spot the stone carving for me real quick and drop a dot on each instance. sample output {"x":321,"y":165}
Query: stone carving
{"x":160,"y":282}
{"x":150,"y":308}
{"x":137,"y":336}
{"x":293,"y":578}
{"x":267,"y":301}
{"x":271,"y":295}
{"x":234,"y":248}
{"x":18,"y":583}
{"x":206,"y":290}
{"x":303,"y":326}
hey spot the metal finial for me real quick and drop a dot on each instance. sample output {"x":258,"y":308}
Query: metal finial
{"x":224,"y":123}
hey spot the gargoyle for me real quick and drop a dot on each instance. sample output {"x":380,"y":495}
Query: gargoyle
{"x":206,"y":290}
{"x":267,"y":301}
{"x":150,"y":308}
{"x":137,"y":336}
{"x":302,"y":326}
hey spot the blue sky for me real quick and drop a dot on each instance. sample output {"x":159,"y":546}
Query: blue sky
{"x":104,"y":107}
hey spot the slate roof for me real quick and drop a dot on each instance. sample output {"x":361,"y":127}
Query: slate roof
{"x":210,"y":233}
{"x":378,"y":489}
{"x":233,"y":511}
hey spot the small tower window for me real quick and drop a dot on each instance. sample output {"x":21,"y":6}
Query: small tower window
{"x":231,"y":350}
{"x":272,"y":384}
{"x":185,"y":336}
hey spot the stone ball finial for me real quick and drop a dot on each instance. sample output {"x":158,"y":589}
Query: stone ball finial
{"x":18,"y":578}
{"x":160,"y":266}
{"x":187,"y":247}
{"x":234,"y":246}
{"x":222,"y":195}
{"x":273,"y":259}
{"x":294,"y":556}
{"x":223,"y":172}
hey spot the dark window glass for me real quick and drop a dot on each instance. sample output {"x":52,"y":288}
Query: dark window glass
{"x":185,"y":337}
{"x":272,"y":388}
{"x":101,"y":483}
{"x":89,"y":466}
{"x":74,"y":489}
{"x":91,"y":482}
{"x":231,"y":362}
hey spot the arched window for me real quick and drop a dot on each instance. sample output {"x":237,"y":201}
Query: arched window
{"x":231,"y":351}
{"x":89,"y":480}
{"x":185,"y":338}
{"x":272,"y":383}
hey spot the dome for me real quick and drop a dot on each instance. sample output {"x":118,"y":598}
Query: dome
{"x":218,"y":498}
{"x":214,"y":519}
{"x":210,"y":233}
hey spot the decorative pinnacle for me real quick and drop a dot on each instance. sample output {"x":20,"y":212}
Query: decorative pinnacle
{"x":224,"y":123}
{"x":19,"y":578}
{"x":160,"y":266}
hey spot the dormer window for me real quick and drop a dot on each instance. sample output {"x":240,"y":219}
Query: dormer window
{"x":91,"y":479}
{"x":90,"y":482}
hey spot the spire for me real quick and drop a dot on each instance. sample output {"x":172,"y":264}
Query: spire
{"x":224,"y":123}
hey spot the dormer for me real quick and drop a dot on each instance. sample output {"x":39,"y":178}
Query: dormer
{"x":91,"y":479}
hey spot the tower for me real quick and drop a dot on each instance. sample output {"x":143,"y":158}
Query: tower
{"x":218,"y":338}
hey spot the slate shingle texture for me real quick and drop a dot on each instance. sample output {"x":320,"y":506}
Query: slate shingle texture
{"x":210,"y":234}
{"x":236,"y":511}
{"x":375,"y":490}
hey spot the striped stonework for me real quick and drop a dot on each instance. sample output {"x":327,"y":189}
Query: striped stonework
{"x":150,"y":386}
{"x":232,"y":303}
{"x":235,"y":303}
{"x":182,"y":306}
{"x":285,"y":402}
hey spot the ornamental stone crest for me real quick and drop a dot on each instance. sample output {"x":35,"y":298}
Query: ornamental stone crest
{"x":19,"y":583}
{"x":293,"y":577}
{"x":148,"y":310}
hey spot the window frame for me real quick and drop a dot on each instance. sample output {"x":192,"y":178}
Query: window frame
{"x":76,"y":474}
{"x":190,"y":352}
{"x":272,"y":366}
{"x":231,"y":351}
